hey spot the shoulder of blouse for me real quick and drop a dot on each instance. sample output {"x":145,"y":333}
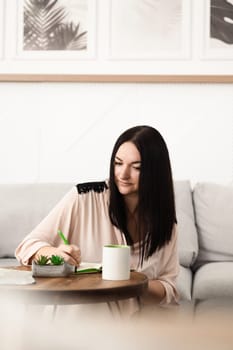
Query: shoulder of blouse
{"x":96,"y":186}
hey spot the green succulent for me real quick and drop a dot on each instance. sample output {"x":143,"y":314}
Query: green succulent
{"x":57,"y":260}
{"x":42,"y":260}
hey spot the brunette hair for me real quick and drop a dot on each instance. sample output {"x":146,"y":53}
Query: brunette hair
{"x":156,"y":205}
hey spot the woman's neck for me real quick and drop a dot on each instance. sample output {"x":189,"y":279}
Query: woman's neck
{"x":132,"y":219}
{"x":131,"y":204}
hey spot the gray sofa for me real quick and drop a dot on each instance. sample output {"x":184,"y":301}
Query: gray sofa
{"x":205,"y":222}
{"x":205,"y":219}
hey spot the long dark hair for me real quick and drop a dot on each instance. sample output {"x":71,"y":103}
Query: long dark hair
{"x":156,"y":204}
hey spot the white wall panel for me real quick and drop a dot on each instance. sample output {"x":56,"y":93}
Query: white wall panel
{"x":66,"y":131}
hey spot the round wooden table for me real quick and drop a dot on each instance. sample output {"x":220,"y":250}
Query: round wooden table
{"x":78,"y":289}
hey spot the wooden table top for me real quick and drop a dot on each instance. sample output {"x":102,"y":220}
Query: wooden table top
{"x":78,"y":288}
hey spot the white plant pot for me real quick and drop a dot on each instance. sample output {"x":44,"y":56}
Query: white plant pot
{"x":51,"y":270}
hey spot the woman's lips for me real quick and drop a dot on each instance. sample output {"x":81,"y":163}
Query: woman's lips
{"x":124,"y":183}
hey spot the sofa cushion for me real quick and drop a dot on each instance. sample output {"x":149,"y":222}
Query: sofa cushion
{"x":187,"y":234}
{"x":23,"y":206}
{"x":184,"y":283}
{"x":213,"y":206}
{"x":213,"y":280}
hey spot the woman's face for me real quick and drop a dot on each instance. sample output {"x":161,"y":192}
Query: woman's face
{"x":127,"y":168}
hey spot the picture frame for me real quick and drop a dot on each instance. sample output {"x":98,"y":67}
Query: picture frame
{"x":218,"y":30}
{"x":54,"y":34}
{"x":182,"y":52}
{"x":65,"y":30}
{"x":163,"y":32}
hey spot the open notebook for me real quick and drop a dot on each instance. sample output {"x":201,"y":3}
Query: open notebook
{"x":87,"y":267}
{"x":15,"y":277}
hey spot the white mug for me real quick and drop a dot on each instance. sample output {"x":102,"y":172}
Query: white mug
{"x":116,"y":262}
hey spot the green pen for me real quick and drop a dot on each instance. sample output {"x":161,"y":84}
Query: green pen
{"x":65,"y":240}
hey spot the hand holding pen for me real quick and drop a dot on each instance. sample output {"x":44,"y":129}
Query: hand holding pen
{"x":71,"y":250}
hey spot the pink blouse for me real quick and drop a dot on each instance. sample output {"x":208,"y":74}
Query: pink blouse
{"x":84,"y":220}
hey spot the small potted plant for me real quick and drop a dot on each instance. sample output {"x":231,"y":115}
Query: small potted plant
{"x":54,"y":266}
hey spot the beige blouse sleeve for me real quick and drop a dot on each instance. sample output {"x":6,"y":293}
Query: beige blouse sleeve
{"x":169,"y":269}
{"x":45,"y":234}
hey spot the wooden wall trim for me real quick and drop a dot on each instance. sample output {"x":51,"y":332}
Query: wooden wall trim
{"x":116,"y":78}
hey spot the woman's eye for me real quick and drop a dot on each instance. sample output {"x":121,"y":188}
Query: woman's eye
{"x":137,"y":167}
{"x":117,"y":163}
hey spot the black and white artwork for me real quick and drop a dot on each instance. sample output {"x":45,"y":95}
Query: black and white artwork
{"x":221,"y":23}
{"x":55,"y":25}
{"x":149,"y":28}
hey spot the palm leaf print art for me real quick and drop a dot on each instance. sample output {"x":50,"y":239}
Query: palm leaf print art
{"x":45,"y":27}
{"x":222,"y":20}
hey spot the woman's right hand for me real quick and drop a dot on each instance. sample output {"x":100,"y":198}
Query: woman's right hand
{"x":71,"y":253}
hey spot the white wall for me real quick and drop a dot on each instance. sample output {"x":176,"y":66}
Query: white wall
{"x":64,"y":132}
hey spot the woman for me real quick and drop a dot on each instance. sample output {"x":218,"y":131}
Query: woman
{"x":135,"y":207}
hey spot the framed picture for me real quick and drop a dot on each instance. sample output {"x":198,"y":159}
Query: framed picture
{"x":218,"y":43}
{"x":150,"y":29}
{"x":116,"y":40}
